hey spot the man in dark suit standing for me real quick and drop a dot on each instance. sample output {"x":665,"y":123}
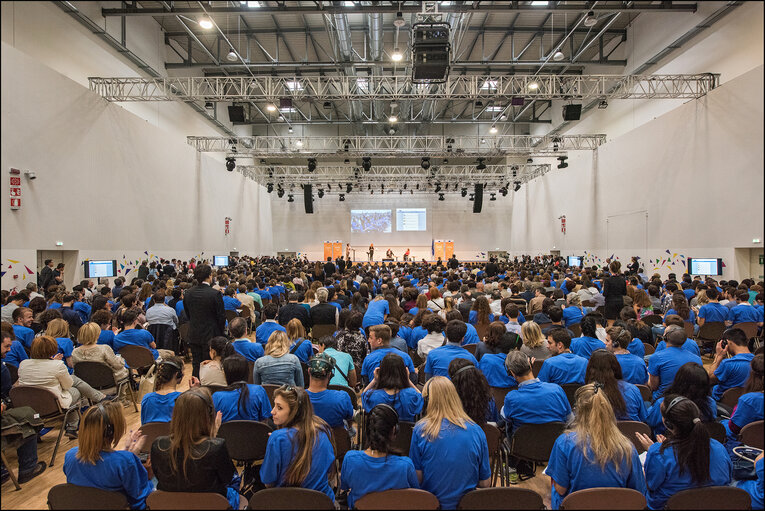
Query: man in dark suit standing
{"x":207,"y":317}
{"x":492,"y":269}
{"x":341,"y":265}
{"x":453,"y":262}
{"x":329,"y":267}
{"x":45,"y":278}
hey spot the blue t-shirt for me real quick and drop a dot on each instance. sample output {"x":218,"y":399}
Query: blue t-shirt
{"x":179,"y":308}
{"x":633,"y":368}
{"x":134,"y":337}
{"x":376,"y":311}
{"x":653,"y":415}
{"x":372,"y":361}
{"x":453,"y":463}
{"x":535,"y":402}
{"x":756,"y":487}
{"x":158,"y":407}
{"x":471,"y":336}
{"x":16,"y":354}
{"x":248,"y":349}
{"x":264,"y":331}
{"x":231,"y":304}
{"x":362,"y":474}
{"x":636,"y":347}
{"x":744,"y":313}
{"x":119,"y":471}
{"x":304,"y":352}
{"x":256,"y":408}
{"x":83,"y":309}
{"x":563,"y":368}
{"x":713,"y":312}
{"x":748,"y":410}
{"x":473,"y":317}
{"x":584,"y":346}
{"x":570,"y":468}
{"x":663,"y":477}
{"x":665,"y":364}
{"x":689,"y":345}
{"x":279,"y":455}
{"x":407,"y":402}
{"x":438,"y":360}
{"x":633,"y":399}
{"x":24,"y":335}
{"x":492,"y":365}
{"x":333,"y":406}
{"x":65,"y":347}
{"x":415,"y":335}
{"x":732,"y":372}
{"x":691,"y":315}
{"x":404,"y":332}
{"x":106,"y":337}
{"x":572,"y":316}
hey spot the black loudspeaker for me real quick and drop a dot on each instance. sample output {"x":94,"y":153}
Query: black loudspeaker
{"x":478,"y":198}
{"x":572,"y":112}
{"x":308,"y":198}
{"x":236,"y":113}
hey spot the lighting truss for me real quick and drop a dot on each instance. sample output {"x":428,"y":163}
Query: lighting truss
{"x":395,"y":88}
{"x":397,"y":146}
{"x":451,"y":177}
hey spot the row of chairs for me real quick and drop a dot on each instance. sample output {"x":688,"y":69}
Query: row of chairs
{"x":68,"y":496}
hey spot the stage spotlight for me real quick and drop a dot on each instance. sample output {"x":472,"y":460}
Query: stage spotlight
{"x":438,"y":187}
{"x":441,"y":196}
{"x":425,"y":163}
{"x":503,"y":191}
{"x":445,"y":161}
{"x":290,"y":198}
{"x":404,"y":186}
{"x":603,"y":104}
{"x":342,"y":197}
{"x":517,"y":186}
{"x":493,"y":196}
{"x":366,"y":163}
{"x":270,"y":187}
{"x":369,"y":186}
{"x":472,"y":197}
{"x":230,"y":163}
{"x":329,"y":187}
{"x":346,"y":161}
{"x":562,"y":160}
{"x":321,"y":193}
{"x":481,"y":165}
{"x":463,"y":192}
{"x":556,"y":140}
{"x":530,"y":160}
{"x":311,"y":164}
{"x":280,"y":191}
{"x":348,"y":187}
{"x":290,"y":130}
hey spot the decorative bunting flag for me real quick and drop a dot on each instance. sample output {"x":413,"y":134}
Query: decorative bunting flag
{"x":28,"y":270}
{"x":667,"y":251}
{"x":2,"y":274}
{"x":14,"y":262}
{"x":146,"y":252}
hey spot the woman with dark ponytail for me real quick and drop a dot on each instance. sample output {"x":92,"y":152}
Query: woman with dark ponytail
{"x":687,"y":458}
{"x":211,"y":371}
{"x":240,"y":400}
{"x":377,"y":468}
{"x":158,"y":406}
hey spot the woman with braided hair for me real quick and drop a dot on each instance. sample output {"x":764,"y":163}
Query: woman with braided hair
{"x":158,"y":406}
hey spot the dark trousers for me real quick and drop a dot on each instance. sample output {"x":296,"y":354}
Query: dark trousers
{"x":27,"y":453}
{"x":199,"y":353}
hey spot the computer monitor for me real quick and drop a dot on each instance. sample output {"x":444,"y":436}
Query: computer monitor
{"x":98,"y":269}
{"x":220,"y":261}
{"x":705,"y":266}
{"x":575,"y":261}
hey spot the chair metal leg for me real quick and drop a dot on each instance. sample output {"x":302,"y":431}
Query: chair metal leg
{"x":10,"y":471}
{"x":58,"y":440}
{"x":132,"y":394}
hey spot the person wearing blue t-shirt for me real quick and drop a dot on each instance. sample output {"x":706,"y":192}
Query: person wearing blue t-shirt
{"x":251,"y":350}
{"x":633,"y":367}
{"x":535,"y":402}
{"x":269,"y":325}
{"x":292,"y":411}
{"x":22,"y":320}
{"x":755,"y":487}
{"x":379,"y":341}
{"x":492,"y":365}
{"x":391,"y":385}
{"x":689,"y":345}
{"x":730,"y":367}
{"x":712,"y":312}
{"x":375,"y":469}
{"x":563,"y":366}
{"x":377,"y":311}
{"x":624,"y":397}
{"x":663,"y":365}
{"x":743,"y":312}
{"x":96,"y":464}
{"x":59,"y":330}
{"x":577,"y":463}
{"x":687,"y":458}
{"x":132,"y":336}
{"x":16,"y":355}
{"x":241,"y":401}
{"x":158,"y":406}
{"x":449,"y":451}
{"x":230,"y":303}
{"x":750,"y":404}
{"x":573,"y":313}
{"x":333,"y":406}
{"x":589,"y":341}
{"x":438,"y":359}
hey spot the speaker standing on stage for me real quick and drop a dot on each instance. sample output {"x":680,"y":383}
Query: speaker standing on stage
{"x":371,"y":252}
{"x":389,"y":254}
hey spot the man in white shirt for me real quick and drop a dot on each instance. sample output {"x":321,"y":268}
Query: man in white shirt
{"x":434,"y":324}
{"x":160,"y":313}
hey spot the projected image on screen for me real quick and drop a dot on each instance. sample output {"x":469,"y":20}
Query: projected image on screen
{"x":412,"y":219}
{"x":370,"y":220}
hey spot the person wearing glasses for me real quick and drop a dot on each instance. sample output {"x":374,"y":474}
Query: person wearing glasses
{"x":300,"y":452}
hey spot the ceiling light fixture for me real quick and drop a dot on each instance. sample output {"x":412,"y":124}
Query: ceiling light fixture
{"x":342,"y":197}
{"x":399,"y":21}
{"x":562,"y":160}
{"x":397,"y":56}
{"x":603,"y":104}
{"x":558,"y":56}
{"x":590,"y":20}
{"x":366,"y":163}
{"x":290,"y":198}
{"x":205,"y":23}
{"x":493,"y":130}
{"x":425,"y":163}
{"x":311,"y":164}
{"x":481,"y":165}
{"x":230,"y":163}
{"x":271,"y":108}
{"x":290,"y":130}
{"x":232,"y":56}
{"x":299,"y":143}
{"x":517,"y":186}
{"x":392,"y":119}
{"x":533,"y":85}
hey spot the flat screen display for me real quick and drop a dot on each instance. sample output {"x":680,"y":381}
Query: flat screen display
{"x":704,"y":266}
{"x":220,"y":260}
{"x":371,"y":220}
{"x":575,"y":261}
{"x":411,"y":219}
{"x":98,"y":269}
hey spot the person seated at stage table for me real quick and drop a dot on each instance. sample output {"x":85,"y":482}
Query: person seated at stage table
{"x":563,"y":366}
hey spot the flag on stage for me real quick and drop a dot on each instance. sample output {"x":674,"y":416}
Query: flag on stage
{"x":432,"y":247}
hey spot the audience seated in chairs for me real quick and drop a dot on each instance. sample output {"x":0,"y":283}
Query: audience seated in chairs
{"x":391,"y":385}
{"x":474,"y":392}
{"x":534,"y":343}
{"x":158,"y":406}
{"x":245,"y":346}
{"x":438,"y":360}
{"x":345,"y":371}
{"x":663,"y":364}
{"x":90,"y":351}
{"x":730,"y":367}
{"x":278,"y":366}
{"x":564,"y":366}
{"x":750,"y":403}
{"x":625,"y":398}
{"x":240,"y":400}
{"x":618,"y":340}
{"x":333,"y":406}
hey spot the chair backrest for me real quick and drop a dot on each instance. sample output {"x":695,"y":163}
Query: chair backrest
{"x":542,"y":326}
{"x":604,"y":498}
{"x":534,"y":442}
{"x":711,"y":331}
{"x":576,"y":329}
{"x":137,"y":357}
{"x":645,"y":392}
{"x":71,"y":496}
{"x":749,"y":328}
{"x":421,"y":374}
{"x":730,"y":396}
{"x":152,"y":430}
{"x":306,"y":374}
{"x":270,"y":388}
{"x":493,"y":438}
{"x":245,"y":440}
{"x":536,"y":367}
{"x":501,"y":498}
{"x":14,"y":373}
{"x":351,"y":393}
{"x":409,"y":498}
{"x":245,"y":312}
{"x":41,"y":400}
{"x":96,"y":374}
{"x":231,"y":315}
{"x":341,"y":441}
{"x":652,"y":319}
{"x":711,"y":497}
{"x":183,"y":331}
{"x":319,"y":331}
{"x":471,"y":348}
{"x":250,"y":371}
{"x":73,"y":331}
{"x":499,"y":393}
{"x":570,"y":390}
{"x":716,"y":431}
{"x":629,"y":428}
{"x":688,"y":329}
{"x":649,"y":348}
{"x":416,"y":359}
{"x":159,"y":332}
{"x":290,"y":498}
{"x":752,"y":435}
{"x":186,"y":500}
{"x":403,"y":440}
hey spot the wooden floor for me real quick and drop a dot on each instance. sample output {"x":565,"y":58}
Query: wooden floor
{"x":33,"y":495}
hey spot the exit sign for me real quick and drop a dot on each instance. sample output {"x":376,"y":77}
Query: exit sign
{"x":762,"y":258}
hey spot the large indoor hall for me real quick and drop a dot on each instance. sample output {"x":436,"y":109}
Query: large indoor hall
{"x":382,"y":254}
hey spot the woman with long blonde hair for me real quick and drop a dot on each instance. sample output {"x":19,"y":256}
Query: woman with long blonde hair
{"x":300,"y":452}
{"x":59,"y":330}
{"x":300,"y":346}
{"x":448,"y":449}
{"x":593,"y":453}
{"x":278,"y":366}
{"x":534,"y":342}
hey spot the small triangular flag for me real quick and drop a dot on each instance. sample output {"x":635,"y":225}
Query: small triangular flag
{"x":14,"y":262}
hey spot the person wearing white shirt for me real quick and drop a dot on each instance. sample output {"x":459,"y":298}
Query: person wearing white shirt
{"x":434,"y":324}
{"x":160,"y":313}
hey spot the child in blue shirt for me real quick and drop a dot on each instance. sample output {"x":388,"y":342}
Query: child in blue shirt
{"x":391,"y":385}
{"x":731,"y":364}
{"x":158,"y":406}
{"x":241,"y":401}
{"x":333,"y":406}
